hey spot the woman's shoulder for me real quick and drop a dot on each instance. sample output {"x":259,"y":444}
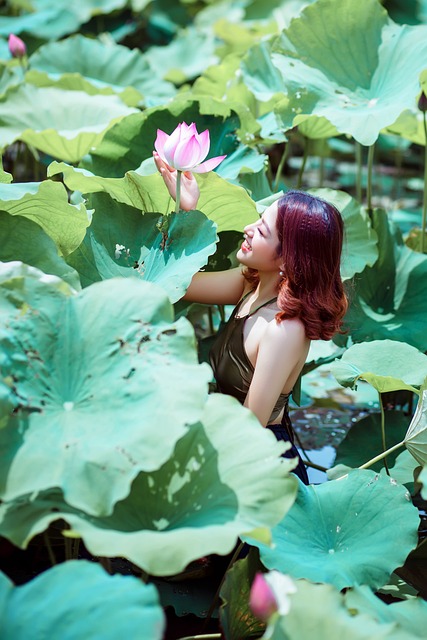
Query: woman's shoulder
{"x":291,"y":329}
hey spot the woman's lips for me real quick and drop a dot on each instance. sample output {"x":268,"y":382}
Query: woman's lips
{"x":245,"y":246}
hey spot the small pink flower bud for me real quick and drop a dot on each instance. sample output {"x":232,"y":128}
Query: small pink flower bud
{"x":422,"y":102}
{"x":17,"y":46}
{"x":262,"y":600}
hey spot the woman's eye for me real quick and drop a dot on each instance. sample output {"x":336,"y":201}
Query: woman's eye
{"x":260,"y":232}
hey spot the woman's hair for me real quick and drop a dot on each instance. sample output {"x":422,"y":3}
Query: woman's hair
{"x":310,"y":234}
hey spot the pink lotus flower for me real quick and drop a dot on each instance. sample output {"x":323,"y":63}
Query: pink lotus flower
{"x":262,"y":600}
{"x":17,"y":46}
{"x":269,"y":594}
{"x":185,"y":149}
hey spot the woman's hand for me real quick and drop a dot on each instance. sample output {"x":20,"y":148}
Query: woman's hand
{"x":189,"y":188}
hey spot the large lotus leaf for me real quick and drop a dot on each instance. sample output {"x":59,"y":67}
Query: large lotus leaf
{"x":93,"y":376}
{"x":64,"y":124}
{"x":89,"y":65}
{"x":404,"y":469}
{"x":378,"y":81}
{"x":360,"y":240}
{"x":390,"y":299}
{"x":177,"y":61}
{"x":388,"y":365}
{"x":260,"y":74}
{"x":224,"y":478}
{"x":409,"y":616}
{"x":132,"y":140}
{"x":228,"y":205}
{"x":416,"y":437}
{"x":224,"y":82}
{"x":364,"y":441}
{"x":24,"y":240}
{"x":237,"y":619}
{"x":122,"y":242}
{"x":423,"y":479}
{"x":331,"y":616}
{"x":409,"y":125}
{"x":5,"y":177}
{"x":242,"y":160}
{"x":78,"y":599}
{"x":51,"y":20}
{"x":350,"y":531}
{"x":46,"y":204}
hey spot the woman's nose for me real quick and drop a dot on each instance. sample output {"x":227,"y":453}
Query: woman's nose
{"x":249,"y":229}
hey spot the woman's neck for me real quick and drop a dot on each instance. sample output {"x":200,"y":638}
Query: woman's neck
{"x":268,"y":285}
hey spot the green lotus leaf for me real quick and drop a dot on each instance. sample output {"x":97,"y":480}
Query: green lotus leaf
{"x":63,"y":124}
{"x":10,"y":76}
{"x":131,"y":141}
{"x":388,"y":365}
{"x":390,"y":298}
{"x":404,"y":468}
{"x":260,"y":74}
{"x":122,"y":242}
{"x":177,"y":61}
{"x":237,"y":619}
{"x":51,"y":20}
{"x":86,"y":64}
{"x":228,"y":205}
{"x":380,"y":77}
{"x":324,"y":536}
{"x":223,"y":479}
{"x":242,"y":160}
{"x":24,"y":240}
{"x":409,"y":125}
{"x":224,"y":82}
{"x":416,"y":437}
{"x":363,"y":441}
{"x":5,"y":177}
{"x":315,"y":127}
{"x":47,"y":24}
{"x":46,"y":204}
{"x":78,"y":599}
{"x":93,"y":376}
{"x":360,"y":242}
{"x":423,"y":479}
{"x":408,"y":616}
{"x":331,"y":616}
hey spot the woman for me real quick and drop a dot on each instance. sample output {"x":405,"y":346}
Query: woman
{"x":288,"y":293}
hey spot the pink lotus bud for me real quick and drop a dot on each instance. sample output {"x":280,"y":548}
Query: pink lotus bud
{"x":185,"y":149}
{"x":422,"y":102}
{"x":262,"y":600}
{"x":17,"y":46}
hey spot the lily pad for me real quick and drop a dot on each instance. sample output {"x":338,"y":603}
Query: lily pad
{"x":360,"y":240}
{"x":324,"y":536}
{"x":380,"y":77}
{"x":224,"y":478}
{"x":390,"y":299}
{"x":416,"y":437}
{"x":87,"y":64}
{"x":24,"y":240}
{"x":62,"y":355}
{"x":77,"y":599}
{"x":63,"y":124}
{"x":388,"y":365}
{"x":46,"y":204}
{"x":333,"y":615}
{"x":122,"y":242}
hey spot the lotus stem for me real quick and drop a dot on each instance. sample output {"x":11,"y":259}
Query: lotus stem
{"x":359,"y":172}
{"x":206,"y":636}
{"x":178,"y":191}
{"x":382,"y":455}
{"x":423,"y":223}
{"x":280,"y":167}
{"x":49,"y":549}
{"x":383,"y":432}
{"x":303,"y":163}
{"x":369,"y":178}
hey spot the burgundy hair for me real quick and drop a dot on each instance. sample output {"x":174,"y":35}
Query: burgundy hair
{"x":310,"y":234}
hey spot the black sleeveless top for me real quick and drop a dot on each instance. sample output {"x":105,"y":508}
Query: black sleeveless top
{"x":232,"y":368}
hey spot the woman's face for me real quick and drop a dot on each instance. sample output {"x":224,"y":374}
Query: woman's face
{"x":259,"y":248}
